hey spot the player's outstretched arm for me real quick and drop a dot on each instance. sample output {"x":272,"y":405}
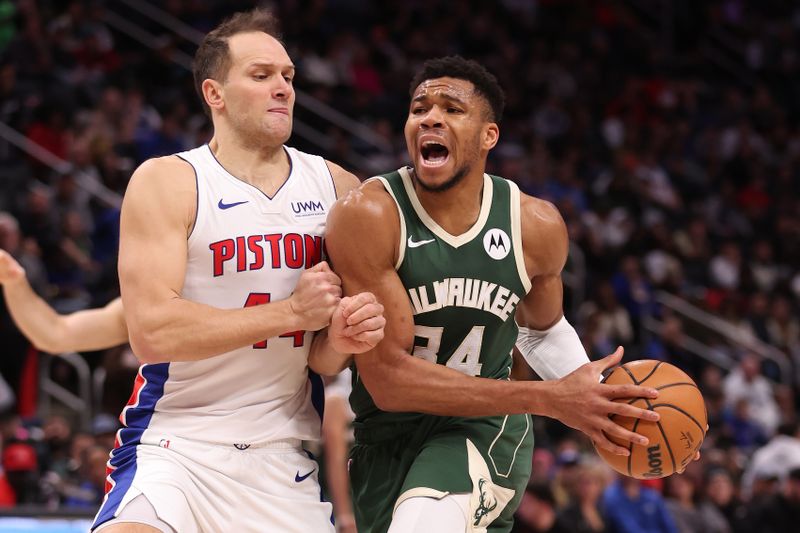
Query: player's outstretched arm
{"x":552,"y":347}
{"x":92,"y":329}
{"x":356,"y":327}
{"x":158,"y":212}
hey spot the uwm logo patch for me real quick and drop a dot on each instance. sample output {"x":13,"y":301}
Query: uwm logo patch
{"x":308,"y":208}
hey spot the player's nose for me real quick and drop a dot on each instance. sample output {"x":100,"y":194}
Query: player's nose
{"x":433,"y":118}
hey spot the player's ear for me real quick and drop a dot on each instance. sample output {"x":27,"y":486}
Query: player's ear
{"x":490,"y":136}
{"x":213,"y":93}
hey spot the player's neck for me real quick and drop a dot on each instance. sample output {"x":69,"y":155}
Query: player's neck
{"x":265,"y":168}
{"x":457,"y":209}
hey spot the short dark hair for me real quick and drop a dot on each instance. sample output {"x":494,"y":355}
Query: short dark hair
{"x":212,"y":59}
{"x":485,"y":82}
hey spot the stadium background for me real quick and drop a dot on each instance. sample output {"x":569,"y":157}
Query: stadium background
{"x":665,"y":131}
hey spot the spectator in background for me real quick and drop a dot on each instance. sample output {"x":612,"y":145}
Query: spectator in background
{"x":537,"y":512}
{"x":87,"y":489}
{"x":633,"y":290}
{"x":776,"y":459}
{"x":780,"y":513}
{"x":631,"y":507}
{"x":21,"y":467}
{"x":746,"y":384}
{"x":720,"y":492}
{"x":582,"y":514}
{"x":725,"y":269}
{"x":613,"y":321}
{"x":692,"y":515}
{"x":783,"y":327}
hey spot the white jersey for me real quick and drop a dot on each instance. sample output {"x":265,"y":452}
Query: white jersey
{"x":245,"y":249}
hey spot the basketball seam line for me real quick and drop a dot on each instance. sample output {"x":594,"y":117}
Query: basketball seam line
{"x":660,"y":387}
{"x":669,"y":447}
{"x":687,"y":415}
{"x":630,"y":374}
{"x":652,"y":371}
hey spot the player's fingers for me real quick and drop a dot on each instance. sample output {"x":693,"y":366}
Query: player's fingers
{"x":322,"y":266}
{"x":370,"y":338}
{"x":364,"y":312}
{"x":601,"y":441}
{"x":375,"y":323}
{"x":629,"y":391}
{"x":611,"y":360}
{"x":358,"y":301}
{"x":615,"y":430}
{"x":332,"y":278}
{"x":624,"y":409}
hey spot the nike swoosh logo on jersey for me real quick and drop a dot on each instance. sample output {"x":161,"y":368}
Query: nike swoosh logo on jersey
{"x":228,"y":206}
{"x":298,"y":478}
{"x":417,"y":244}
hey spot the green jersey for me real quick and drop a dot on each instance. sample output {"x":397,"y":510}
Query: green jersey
{"x":463,"y":289}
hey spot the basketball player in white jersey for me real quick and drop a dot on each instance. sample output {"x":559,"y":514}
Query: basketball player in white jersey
{"x":223,"y":286}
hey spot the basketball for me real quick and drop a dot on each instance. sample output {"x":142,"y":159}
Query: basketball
{"x":676,"y":437}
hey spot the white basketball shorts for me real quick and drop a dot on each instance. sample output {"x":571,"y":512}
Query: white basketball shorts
{"x":197,"y":487}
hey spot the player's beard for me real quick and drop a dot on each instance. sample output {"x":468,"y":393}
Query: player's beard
{"x":451,"y":182}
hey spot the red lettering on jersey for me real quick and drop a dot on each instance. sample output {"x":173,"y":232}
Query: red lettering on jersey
{"x":313,"y":250}
{"x":252,"y":244}
{"x":241,"y":255}
{"x":258,"y":298}
{"x":293,"y":250}
{"x":298,"y":337}
{"x":274,"y":239}
{"x":222,"y":251}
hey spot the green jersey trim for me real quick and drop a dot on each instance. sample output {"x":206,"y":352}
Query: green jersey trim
{"x":401,"y":246}
{"x":453,"y":240}
{"x":516,"y":235}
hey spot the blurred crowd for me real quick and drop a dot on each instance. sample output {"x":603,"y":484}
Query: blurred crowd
{"x":665,"y":132}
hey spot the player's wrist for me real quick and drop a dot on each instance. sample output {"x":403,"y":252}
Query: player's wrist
{"x":15,"y":282}
{"x":294,"y":318}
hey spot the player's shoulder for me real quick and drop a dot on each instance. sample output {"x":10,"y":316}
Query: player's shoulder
{"x":169,"y":166}
{"x":167,"y":180}
{"x":541,"y":213}
{"x":368,"y":197}
{"x":366,"y":214}
{"x":343,"y":180}
{"x":544,"y":233}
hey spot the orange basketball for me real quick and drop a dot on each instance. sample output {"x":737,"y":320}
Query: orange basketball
{"x":676,"y":437}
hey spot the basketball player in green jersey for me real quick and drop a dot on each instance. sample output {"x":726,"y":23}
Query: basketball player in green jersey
{"x":459,"y":259}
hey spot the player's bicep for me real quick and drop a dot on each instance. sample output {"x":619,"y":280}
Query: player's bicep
{"x":353,"y":222}
{"x":153,"y":229}
{"x":543,"y":305}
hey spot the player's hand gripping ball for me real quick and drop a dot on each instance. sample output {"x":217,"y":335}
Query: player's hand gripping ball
{"x":676,"y":438}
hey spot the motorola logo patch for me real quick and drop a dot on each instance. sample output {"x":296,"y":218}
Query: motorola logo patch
{"x":496,"y":243}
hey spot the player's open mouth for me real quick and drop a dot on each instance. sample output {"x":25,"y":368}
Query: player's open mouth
{"x":434,"y":154}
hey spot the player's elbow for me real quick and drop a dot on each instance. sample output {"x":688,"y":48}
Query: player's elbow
{"x":148,"y":346}
{"x":386,"y":399}
{"x":51,"y":346}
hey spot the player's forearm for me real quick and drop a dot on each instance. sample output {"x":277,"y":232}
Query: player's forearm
{"x":323,"y":359}
{"x":414,"y":385}
{"x":33,"y":316}
{"x":334,"y":428}
{"x":181,"y":330}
